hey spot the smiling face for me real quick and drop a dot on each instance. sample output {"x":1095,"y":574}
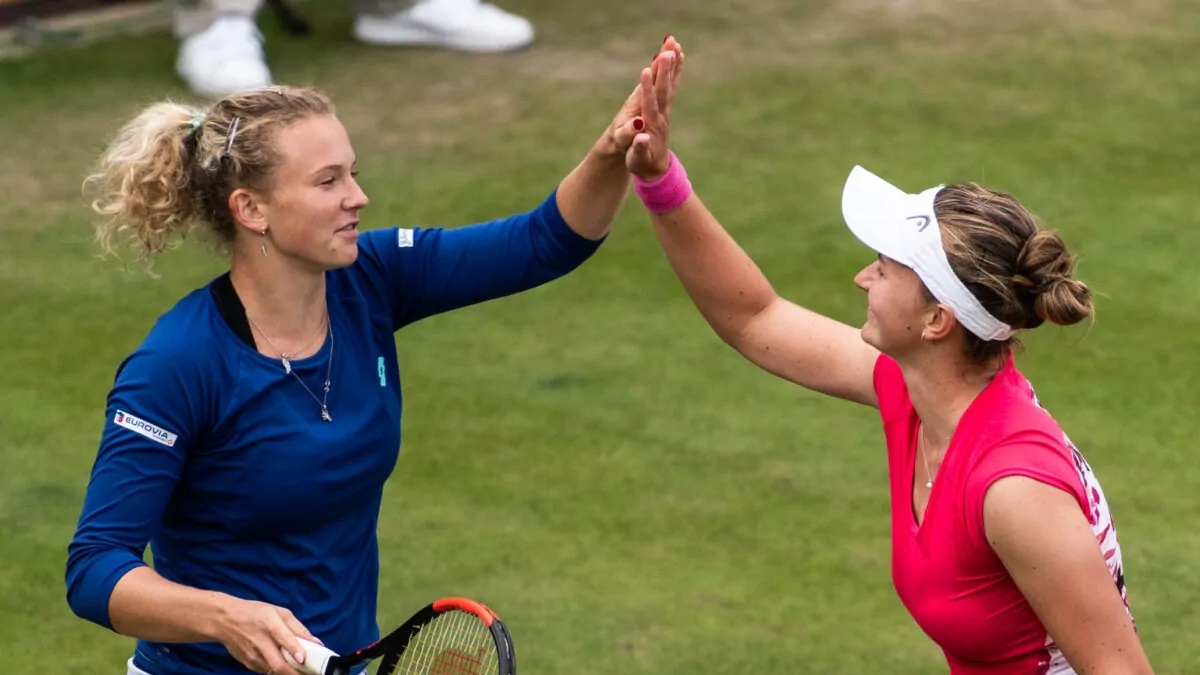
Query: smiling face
{"x":312,"y":208}
{"x":898,"y":307}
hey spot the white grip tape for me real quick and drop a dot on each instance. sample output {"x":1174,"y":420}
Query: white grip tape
{"x":316,"y":658}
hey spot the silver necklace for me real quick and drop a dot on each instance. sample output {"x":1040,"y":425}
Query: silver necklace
{"x":925,"y":460}
{"x":287,"y":366}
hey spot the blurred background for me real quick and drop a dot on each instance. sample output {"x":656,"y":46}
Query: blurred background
{"x":588,"y":458}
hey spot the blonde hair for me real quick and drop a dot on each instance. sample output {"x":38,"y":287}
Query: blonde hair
{"x":1019,"y":271}
{"x":172,"y":167}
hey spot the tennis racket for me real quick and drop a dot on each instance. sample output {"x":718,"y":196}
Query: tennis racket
{"x":451,"y":636}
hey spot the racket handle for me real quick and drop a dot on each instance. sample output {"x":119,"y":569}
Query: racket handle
{"x":316,"y":658}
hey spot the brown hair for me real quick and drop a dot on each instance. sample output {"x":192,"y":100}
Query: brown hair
{"x":173,"y":166}
{"x":1019,"y":271}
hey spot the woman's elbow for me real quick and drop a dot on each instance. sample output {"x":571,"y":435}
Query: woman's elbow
{"x":92,"y":573}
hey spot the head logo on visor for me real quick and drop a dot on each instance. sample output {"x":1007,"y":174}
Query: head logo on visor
{"x":923,"y":222}
{"x":904,"y":228}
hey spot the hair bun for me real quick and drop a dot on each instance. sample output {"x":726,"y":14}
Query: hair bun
{"x":1043,"y":280}
{"x":1066,"y":301}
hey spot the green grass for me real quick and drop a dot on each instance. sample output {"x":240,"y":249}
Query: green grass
{"x":587,"y":457}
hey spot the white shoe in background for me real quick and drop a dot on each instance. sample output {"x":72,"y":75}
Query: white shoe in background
{"x":226,"y":57}
{"x":464,"y":25}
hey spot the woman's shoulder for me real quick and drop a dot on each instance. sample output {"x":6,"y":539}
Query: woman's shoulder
{"x":1015,"y":410}
{"x":188,"y":335}
{"x":187,"y":320}
{"x":890,"y":389}
{"x":1014,"y":429}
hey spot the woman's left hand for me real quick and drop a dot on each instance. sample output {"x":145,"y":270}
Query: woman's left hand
{"x":629,"y":121}
{"x":649,"y":156}
{"x":590,"y":197}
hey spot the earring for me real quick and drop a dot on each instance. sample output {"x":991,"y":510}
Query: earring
{"x":264,"y":242}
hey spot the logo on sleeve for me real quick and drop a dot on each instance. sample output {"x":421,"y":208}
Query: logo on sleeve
{"x":404,"y":238}
{"x":141,"y":426}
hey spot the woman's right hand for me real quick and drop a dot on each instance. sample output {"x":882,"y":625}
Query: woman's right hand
{"x":257,"y":633}
{"x":648,"y":156}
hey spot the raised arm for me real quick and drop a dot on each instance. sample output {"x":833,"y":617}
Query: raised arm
{"x":591,"y":195}
{"x":730,"y":291}
{"x":740,"y":305}
{"x":427,"y":271}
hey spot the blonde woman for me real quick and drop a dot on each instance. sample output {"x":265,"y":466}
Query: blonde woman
{"x":249,"y":437}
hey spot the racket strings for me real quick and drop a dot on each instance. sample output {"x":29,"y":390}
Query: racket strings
{"x":454,"y":643}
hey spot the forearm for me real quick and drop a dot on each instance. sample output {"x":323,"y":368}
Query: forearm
{"x":146,"y":606}
{"x":724,"y":283}
{"x":592,"y":194}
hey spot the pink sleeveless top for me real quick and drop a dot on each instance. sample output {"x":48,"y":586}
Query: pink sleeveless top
{"x":944,"y":570}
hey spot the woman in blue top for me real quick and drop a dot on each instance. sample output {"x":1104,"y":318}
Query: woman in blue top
{"x":248,"y":438}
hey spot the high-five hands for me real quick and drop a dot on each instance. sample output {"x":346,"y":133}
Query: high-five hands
{"x":641,"y":127}
{"x":648,"y":156}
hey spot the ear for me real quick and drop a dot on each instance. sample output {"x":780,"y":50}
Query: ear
{"x":249,"y":209}
{"x":939,"y":322}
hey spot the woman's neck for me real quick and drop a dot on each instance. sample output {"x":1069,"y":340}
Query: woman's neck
{"x":285,"y":303}
{"x":941,"y":390}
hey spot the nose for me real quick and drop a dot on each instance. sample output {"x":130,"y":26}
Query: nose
{"x":865,"y":276}
{"x":357,"y":198}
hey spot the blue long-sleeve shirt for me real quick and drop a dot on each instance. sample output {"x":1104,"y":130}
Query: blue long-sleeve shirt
{"x":219,"y":459}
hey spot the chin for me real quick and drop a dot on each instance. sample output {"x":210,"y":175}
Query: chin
{"x":869,"y":335}
{"x":344,"y":257}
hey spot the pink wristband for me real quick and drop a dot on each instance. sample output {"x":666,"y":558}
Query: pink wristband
{"x":668,"y":192}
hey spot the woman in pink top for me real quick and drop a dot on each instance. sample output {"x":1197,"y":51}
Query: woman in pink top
{"x":1003,"y":548}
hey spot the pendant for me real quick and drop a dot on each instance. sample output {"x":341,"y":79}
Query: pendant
{"x":287,"y":365}
{"x":325,"y":414}
{"x":928,"y":485}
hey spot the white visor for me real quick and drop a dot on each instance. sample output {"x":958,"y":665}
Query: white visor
{"x":903,"y":227}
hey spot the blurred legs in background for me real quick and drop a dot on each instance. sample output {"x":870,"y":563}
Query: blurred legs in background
{"x":221,"y":48}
